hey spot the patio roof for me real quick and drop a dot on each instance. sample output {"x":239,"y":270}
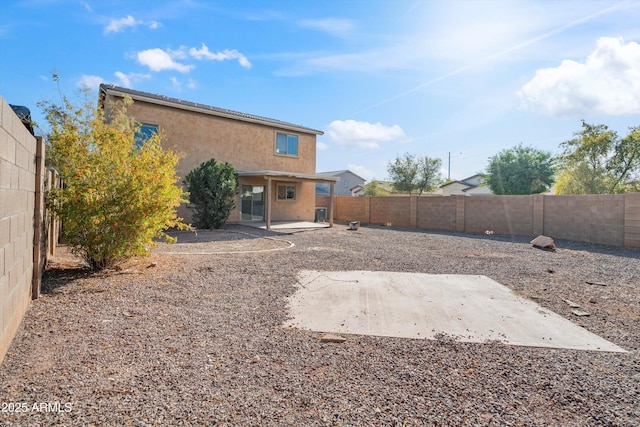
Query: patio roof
{"x":296,"y":176}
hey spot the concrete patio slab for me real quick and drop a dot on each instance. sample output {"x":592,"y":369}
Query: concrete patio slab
{"x":287,"y":225}
{"x":421,"y":306}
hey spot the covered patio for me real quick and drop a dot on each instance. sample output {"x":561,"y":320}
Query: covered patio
{"x":267,"y":179}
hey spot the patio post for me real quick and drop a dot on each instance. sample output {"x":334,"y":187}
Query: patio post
{"x":331,"y":203}
{"x":268,"y":203}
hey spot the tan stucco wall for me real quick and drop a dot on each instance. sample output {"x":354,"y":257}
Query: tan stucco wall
{"x":247,"y":146}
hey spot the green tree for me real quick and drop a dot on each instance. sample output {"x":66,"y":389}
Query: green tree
{"x":212,"y":187}
{"x":428,"y":174}
{"x":597,"y":161}
{"x":409,"y":173}
{"x":520,"y":170}
{"x":373,"y":188}
{"x":117,"y":198}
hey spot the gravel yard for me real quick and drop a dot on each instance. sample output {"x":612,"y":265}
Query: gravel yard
{"x":196,"y":339}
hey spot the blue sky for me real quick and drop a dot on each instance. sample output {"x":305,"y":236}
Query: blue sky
{"x":380,"y":77}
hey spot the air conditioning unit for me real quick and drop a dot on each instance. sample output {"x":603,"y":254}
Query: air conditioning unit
{"x":321,"y":214}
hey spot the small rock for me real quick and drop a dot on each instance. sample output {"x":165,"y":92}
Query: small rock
{"x":256,"y":359}
{"x":543,"y":242}
{"x":153,"y":264}
{"x":571,"y":303}
{"x":580,"y":313}
{"x":332,"y":338}
{"x":592,"y":300}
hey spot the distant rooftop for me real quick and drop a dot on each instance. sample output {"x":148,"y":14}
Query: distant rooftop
{"x":203,"y":108}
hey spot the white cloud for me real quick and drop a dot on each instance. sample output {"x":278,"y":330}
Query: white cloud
{"x":363,"y":135}
{"x":607,"y":82}
{"x":158,"y":60}
{"x":205,"y":53}
{"x":126,"y":80}
{"x":119,"y":25}
{"x":361,"y":170}
{"x":90,"y":82}
{"x":321,"y":146}
{"x":333,"y":26}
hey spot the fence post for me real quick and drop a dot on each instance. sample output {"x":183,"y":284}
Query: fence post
{"x":413,"y":211}
{"x":39,"y":241}
{"x":632,"y":220}
{"x":537,"y":222}
{"x":367,"y":209}
{"x":460,"y":205}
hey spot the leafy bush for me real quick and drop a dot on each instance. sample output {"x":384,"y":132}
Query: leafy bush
{"x":116,"y":198}
{"x":212,"y":187}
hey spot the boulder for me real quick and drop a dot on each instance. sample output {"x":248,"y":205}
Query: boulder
{"x":543,"y":242}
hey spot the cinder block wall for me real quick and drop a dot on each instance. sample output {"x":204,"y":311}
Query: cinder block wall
{"x":591,"y":218}
{"x":392,"y":210}
{"x":605,"y":219}
{"x":501,"y":214}
{"x":437,"y":213}
{"x":17,"y":200}
{"x":349,"y":208}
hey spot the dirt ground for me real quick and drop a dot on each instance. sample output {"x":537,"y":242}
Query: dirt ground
{"x":193,"y":335}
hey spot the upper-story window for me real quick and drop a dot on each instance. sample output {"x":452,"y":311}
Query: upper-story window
{"x":286,"y":144}
{"x":144,"y":133}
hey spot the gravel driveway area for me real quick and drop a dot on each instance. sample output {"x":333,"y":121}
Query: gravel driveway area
{"x":197,"y":339}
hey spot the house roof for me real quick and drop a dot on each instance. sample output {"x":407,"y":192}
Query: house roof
{"x":201,"y":108}
{"x":335,"y":173}
{"x":466,"y":184}
{"x":463,"y":182}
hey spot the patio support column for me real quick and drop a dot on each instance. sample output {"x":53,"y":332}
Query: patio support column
{"x":331,"y":184}
{"x":267,"y":196}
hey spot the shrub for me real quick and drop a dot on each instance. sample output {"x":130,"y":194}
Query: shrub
{"x":212,"y":187}
{"x":117,"y":198}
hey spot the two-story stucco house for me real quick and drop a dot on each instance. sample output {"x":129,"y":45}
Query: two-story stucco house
{"x":349,"y":184}
{"x":275,"y":160}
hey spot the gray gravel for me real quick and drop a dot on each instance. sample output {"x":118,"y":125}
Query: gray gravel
{"x":197,"y":340}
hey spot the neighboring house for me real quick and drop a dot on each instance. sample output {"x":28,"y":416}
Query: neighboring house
{"x":466,"y":187}
{"x":348,"y":184}
{"x":275,"y":160}
{"x":358,"y":190}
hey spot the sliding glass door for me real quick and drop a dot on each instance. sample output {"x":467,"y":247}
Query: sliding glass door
{"x":252,"y":203}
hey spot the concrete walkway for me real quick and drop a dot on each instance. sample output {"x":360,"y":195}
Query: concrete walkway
{"x":419,"y":306}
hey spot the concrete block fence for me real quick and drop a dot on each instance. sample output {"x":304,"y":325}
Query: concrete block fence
{"x":22,"y":225}
{"x":605,"y":219}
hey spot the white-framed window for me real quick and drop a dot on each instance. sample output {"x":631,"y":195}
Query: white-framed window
{"x":286,"y":191}
{"x":144,"y":133}
{"x":286,"y":144}
{"x":346,"y":184}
